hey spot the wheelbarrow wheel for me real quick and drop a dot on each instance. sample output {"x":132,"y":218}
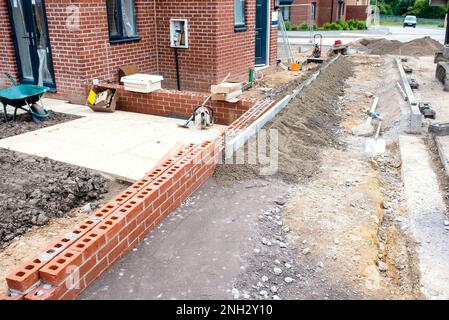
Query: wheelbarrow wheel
{"x":38,"y":109}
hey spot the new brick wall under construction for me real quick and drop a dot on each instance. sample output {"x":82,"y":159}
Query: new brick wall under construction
{"x":69,"y":265}
{"x":178,"y":103}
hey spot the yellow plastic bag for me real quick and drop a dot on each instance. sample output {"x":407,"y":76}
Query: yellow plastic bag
{"x":91,"y":97}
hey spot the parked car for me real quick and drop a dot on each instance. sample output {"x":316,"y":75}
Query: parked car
{"x":410,"y":21}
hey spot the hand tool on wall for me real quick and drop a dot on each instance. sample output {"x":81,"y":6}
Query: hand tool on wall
{"x":192,"y":118}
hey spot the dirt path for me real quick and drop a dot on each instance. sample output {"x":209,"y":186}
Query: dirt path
{"x":345,"y":217}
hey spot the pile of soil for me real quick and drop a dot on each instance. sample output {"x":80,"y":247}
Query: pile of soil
{"x":419,"y":47}
{"x":24,"y":124}
{"x":307,"y":125}
{"x":33,"y":190}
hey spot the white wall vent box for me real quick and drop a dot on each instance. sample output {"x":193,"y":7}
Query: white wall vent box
{"x":144,"y":83}
{"x":179,"y":33}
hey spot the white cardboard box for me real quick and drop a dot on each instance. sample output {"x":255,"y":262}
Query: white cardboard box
{"x":140,"y":82}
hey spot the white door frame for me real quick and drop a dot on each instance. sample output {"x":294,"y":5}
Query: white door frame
{"x":269,"y":26}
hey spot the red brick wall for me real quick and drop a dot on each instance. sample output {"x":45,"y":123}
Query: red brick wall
{"x":329,"y":11}
{"x":197,"y":64}
{"x":301,"y":14}
{"x":326,"y":11}
{"x":85,"y":53}
{"x":215,"y":48}
{"x":8,"y":59}
{"x":178,"y":103}
{"x":237,"y":49}
{"x":356,"y":12}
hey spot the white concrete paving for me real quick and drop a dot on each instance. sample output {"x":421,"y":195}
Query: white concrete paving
{"x":122,"y":144}
{"x":427,"y":213}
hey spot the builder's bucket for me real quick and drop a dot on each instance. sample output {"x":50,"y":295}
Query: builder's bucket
{"x":295,"y":67}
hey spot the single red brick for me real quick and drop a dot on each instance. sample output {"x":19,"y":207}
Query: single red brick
{"x":57,"y":270}
{"x":117,"y":252}
{"x":11,"y":296}
{"x":131,"y":209}
{"x":126,"y":230}
{"x":46,"y":292}
{"x":124,"y":196}
{"x":89,"y":244}
{"x":105,"y":210}
{"x":26,"y":276}
{"x":111,"y":226}
{"x":107,"y":248}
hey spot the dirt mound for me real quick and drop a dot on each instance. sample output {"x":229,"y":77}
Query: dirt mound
{"x":24,"y":124}
{"x":419,"y":47}
{"x":33,"y":190}
{"x":304,"y":127}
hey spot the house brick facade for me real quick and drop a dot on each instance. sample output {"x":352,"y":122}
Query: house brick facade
{"x":83,"y":52}
{"x":326,"y":11}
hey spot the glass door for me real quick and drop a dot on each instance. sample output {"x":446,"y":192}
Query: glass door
{"x":32,"y":43}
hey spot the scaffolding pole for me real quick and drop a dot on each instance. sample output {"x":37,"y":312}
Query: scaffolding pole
{"x":312,"y":15}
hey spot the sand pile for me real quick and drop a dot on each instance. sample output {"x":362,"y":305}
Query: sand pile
{"x":419,"y":47}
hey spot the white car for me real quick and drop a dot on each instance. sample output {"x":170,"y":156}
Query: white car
{"x":410,"y":21}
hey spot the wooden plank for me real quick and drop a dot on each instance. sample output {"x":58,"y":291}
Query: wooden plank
{"x":226,"y":87}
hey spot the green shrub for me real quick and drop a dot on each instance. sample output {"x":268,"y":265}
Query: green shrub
{"x":343,"y":24}
{"x":288,"y":26}
{"x":327,"y":26}
{"x":441,"y":25}
{"x":304,"y":26}
{"x":361,"y":25}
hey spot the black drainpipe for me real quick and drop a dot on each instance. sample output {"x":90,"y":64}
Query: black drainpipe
{"x":332,"y":11}
{"x":178,"y":78}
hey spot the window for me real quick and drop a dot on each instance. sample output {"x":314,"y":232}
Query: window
{"x":239,"y":15}
{"x":314,"y":10}
{"x":121,"y":20}
{"x":286,"y":13}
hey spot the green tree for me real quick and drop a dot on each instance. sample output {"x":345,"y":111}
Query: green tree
{"x":422,"y":9}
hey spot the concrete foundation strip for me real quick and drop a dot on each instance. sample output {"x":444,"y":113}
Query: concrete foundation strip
{"x":401,"y":91}
{"x":415,"y":114}
{"x":232,"y":144}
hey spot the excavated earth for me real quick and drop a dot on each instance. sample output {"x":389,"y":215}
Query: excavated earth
{"x":24,"y":124}
{"x":419,"y":47}
{"x":33,"y":190}
{"x":309,"y":123}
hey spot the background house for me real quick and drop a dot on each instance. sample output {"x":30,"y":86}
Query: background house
{"x":324,"y":11}
{"x":68,"y":43}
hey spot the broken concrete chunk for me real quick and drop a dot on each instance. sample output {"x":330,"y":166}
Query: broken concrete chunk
{"x":382,"y":266}
{"x":277,"y":271}
{"x":363,"y":130}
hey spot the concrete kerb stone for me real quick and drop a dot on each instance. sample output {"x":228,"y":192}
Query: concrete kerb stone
{"x":416,"y":117}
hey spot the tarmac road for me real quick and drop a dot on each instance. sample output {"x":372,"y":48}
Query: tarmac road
{"x":391,"y":33}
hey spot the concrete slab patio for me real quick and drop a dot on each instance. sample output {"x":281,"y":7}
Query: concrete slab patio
{"x":122,"y":144}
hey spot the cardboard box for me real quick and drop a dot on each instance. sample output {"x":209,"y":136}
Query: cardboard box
{"x":102,"y":102}
{"x":127,"y":70}
{"x":226,"y":87}
{"x":228,"y":97}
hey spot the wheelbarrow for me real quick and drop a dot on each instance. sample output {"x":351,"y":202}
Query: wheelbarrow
{"x":24,"y":97}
